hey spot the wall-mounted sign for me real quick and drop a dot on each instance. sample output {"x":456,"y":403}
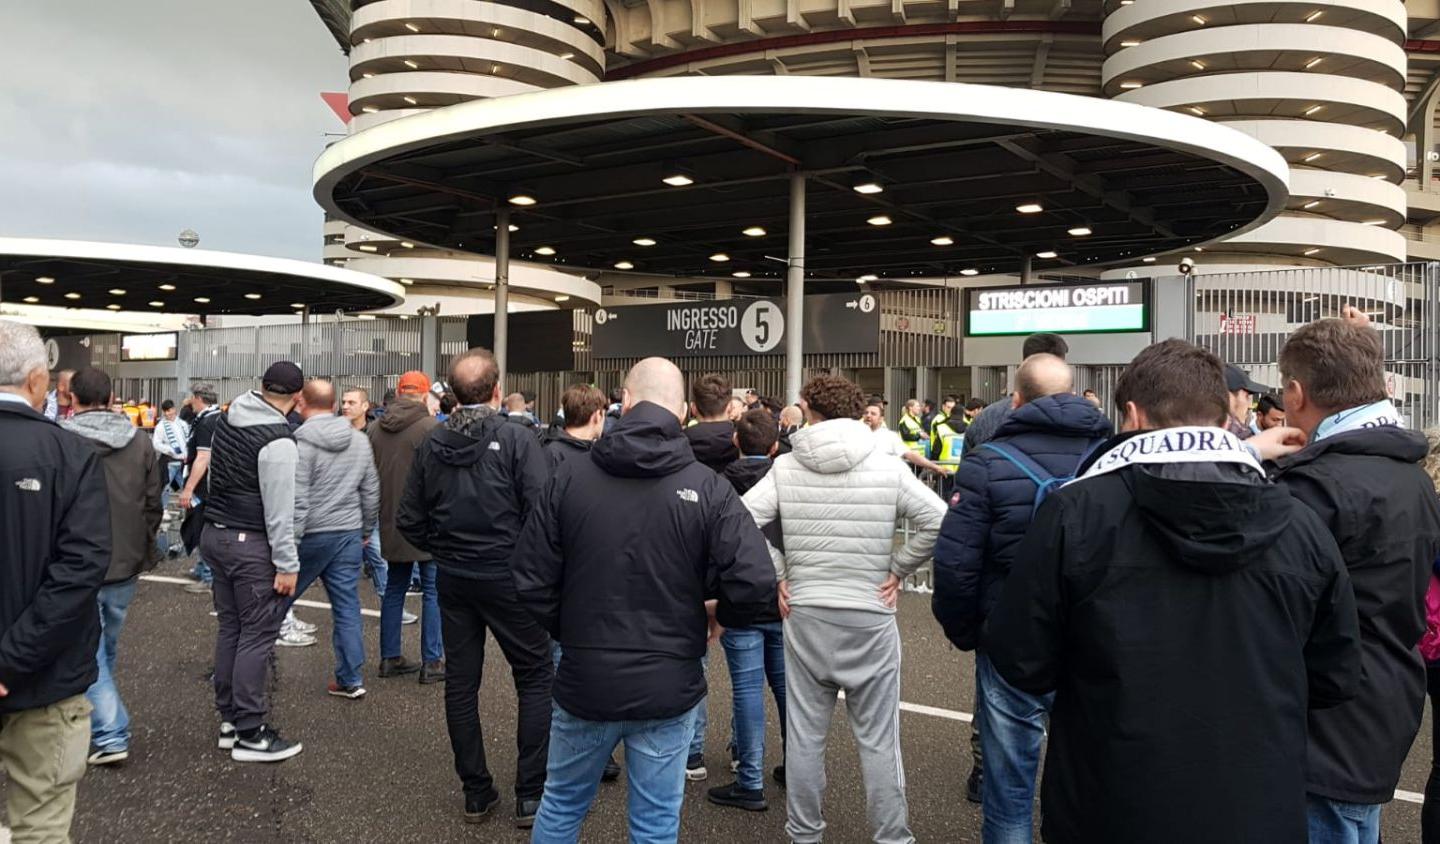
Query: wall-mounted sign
{"x":539,"y":341}
{"x":1089,"y":308}
{"x":134,"y":347}
{"x":1237,"y":323}
{"x":835,"y":323}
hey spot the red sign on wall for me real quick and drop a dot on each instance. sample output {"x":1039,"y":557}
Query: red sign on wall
{"x":1237,"y":323}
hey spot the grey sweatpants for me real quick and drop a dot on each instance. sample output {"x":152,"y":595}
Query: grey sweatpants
{"x":858,"y":652}
{"x":249,"y":614}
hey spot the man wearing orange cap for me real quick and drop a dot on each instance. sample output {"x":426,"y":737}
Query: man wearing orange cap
{"x":394,"y":438}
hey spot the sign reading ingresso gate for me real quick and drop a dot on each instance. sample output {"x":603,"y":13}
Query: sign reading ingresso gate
{"x":1094,"y":307}
{"x":834,"y":324}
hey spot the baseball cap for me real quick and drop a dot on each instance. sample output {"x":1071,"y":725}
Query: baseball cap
{"x":413,"y":383}
{"x":1237,"y":379}
{"x":283,"y":377}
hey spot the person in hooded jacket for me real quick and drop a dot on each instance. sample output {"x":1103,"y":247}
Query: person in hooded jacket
{"x":394,"y":439}
{"x":618,"y":562}
{"x":712,"y":437}
{"x":134,"y":480}
{"x":1046,"y":434}
{"x":344,"y":506}
{"x":1186,"y":613}
{"x":1360,"y":473}
{"x":584,"y":406}
{"x":473,"y":483}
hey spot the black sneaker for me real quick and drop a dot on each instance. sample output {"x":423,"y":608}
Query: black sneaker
{"x":525,"y":812}
{"x":264,"y":745}
{"x":432,"y":672}
{"x":695,"y":769}
{"x":397,"y":666}
{"x":476,"y":808}
{"x":972,"y":786}
{"x":779,"y":775}
{"x":611,"y":772}
{"x":739,"y":798}
{"x":107,"y":756}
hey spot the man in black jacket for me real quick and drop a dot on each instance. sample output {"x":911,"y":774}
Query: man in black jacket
{"x":712,"y":436}
{"x":1360,"y":474}
{"x":134,"y":479}
{"x":472,"y":484}
{"x":618,"y":562}
{"x":55,"y":526}
{"x":583,"y":408}
{"x":1186,"y":612}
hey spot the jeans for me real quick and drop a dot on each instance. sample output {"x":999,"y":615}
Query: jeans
{"x":109,"y":720}
{"x":249,"y":613}
{"x":470,"y":609}
{"x":1014,"y":731}
{"x":202,"y":571}
{"x":374,"y":566}
{"x":756,"y":656}
{"x":1335,"y":822}
{"x":334,"y":558}
{"x":392,"y":607}
{"x":702,"y":715}
{"x":654,"y":765}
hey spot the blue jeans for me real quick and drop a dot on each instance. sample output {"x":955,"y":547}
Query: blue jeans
{"x":756,"y":655}
{"x":702,"y":716}
{"x":1334,"y":822}
{"x":375,"y":566}
{"x":654,"y":764}
{"x":392,"y":606}
{"x":1014,"y":728}
{"x":110,"y":721}
{"x":334,"y":558}
{"x":202,"y":572}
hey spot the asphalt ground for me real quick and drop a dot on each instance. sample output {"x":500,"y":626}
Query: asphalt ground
{"x":380,"y":769}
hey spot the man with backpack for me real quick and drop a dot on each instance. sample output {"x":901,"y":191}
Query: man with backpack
{"x":998,"y":488}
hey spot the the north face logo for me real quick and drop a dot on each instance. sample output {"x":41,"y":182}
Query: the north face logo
{"x":688,"y":495}
{"x":28,"y":485}
{"x":494,"y":446}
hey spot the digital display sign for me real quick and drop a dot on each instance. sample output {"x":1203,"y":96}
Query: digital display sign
{"x":149,"y":347}
{"x":1089,"y":308}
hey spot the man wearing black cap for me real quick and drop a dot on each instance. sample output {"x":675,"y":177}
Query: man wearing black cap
{"x":255,"y":507}
{"x":1243,"y":391}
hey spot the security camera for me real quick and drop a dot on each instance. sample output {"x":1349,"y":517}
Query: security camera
{"x":1432,"y":155}
{"x":1187,"y":266}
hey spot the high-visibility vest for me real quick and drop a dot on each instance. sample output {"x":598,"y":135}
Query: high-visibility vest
{"x":946,"y":443}
{"x":913,"y":434}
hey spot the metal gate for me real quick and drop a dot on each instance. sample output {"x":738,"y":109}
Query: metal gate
{"x":1245,"y":318}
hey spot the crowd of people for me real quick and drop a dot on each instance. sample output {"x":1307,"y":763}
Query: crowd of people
{"x":1213,"y":603}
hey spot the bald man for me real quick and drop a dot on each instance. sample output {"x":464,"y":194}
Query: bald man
{"x":344,"y":508}
{"x":640,"y":526}
{"x":1042,"y":442}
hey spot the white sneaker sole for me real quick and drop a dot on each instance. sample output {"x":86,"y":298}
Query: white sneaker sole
{"x":242,"y":754}
{"x":294,"y":643}
{"x":227,"y":743}
{"x":97,"y":759}
{"x":697,"y":774}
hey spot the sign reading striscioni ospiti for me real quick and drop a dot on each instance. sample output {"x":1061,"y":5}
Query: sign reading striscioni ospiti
{"x":834,"y":323}
{"x":1089,"y":308}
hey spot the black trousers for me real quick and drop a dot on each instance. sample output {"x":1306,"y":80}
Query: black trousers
{"x":468,"y":608}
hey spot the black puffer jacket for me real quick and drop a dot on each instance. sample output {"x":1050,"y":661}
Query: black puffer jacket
{"x":1186,"y":615}
{"x":618,"y":561}
{"x":471,"y":486}
{"x":1368,"y":488}
{"x":713,"y":444}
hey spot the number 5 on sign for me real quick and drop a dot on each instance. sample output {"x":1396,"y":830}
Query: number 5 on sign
{"x":762,"y":326}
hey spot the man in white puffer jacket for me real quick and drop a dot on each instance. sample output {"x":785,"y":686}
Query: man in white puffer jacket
{"x":838,"y":498}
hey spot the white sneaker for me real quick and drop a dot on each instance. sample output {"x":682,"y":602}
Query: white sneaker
{"x":302,"y":626}
{"x":227,"y":735}
{"x":294,"y":639}
{"x":407,"y":617}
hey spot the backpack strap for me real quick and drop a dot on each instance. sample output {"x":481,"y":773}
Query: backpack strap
{"x":1034,"y":471}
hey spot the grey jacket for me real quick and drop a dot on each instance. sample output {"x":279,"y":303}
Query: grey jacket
{"x":340,"y":470}
{"x":133,"y":483}
{"x":284,"y":492}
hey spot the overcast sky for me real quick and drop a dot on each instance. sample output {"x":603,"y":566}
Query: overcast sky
{"x":129,"y":121}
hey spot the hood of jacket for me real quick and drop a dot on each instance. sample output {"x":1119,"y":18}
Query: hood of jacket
{"x":647,"y":442}
{"x":713,"y":442}
{"x":250,"y":409}
{"x":747,"y":471}
{"x":1063,"y":414}
{"x":833,"y":446}
{"x":328,"y":433}
{"x":468,"y":432}
{"x":401,"y":414}
{"x":110,"y":431}
{"x":1394,"y":443}
{"x":558,"y":436}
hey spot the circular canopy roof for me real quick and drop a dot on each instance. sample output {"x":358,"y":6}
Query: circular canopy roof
{"x":955,"y":165}
{"x":163,"y":279}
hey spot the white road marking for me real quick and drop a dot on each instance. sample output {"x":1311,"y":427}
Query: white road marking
{"x":917,"y":708}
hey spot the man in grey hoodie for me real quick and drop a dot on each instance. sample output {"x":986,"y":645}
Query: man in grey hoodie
{"x":133,"y":481}
{"x":254,"y":511}
{"x":339,"y":468}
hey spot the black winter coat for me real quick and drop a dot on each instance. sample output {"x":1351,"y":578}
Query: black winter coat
{"x":1186,"y":616}
{"x":55,"y":535}
{"x":618,"y":561}
{"x":470,"y":489}
{"x":713,"y":444}
{"x":560,"y":446}
{"x":1381,"y":508}
{"x":993,"y":511}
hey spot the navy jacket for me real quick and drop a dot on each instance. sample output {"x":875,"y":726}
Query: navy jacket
{"x":991,"y":509}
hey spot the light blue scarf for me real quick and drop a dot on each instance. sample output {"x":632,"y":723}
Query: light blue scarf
{"x":1381,"y":414}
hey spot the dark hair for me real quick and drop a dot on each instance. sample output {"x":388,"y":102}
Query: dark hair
{"x":833,"y":397}
{"x":90,"y":386}
{"x":1340,"y":365}
{"x":617,"y":395}
{"x":528,"y":395}
{"x":711,"y":394}
{"x":167,"y":405}
{"x":473,"y":376}
{"x":1089,"y":391}
{"x":1045,"y":344}
{"x":1175,"y":383}
{"x":772,"y":404}
{"x":448,"y":403}
{"x":580,"y":403}
{"x":1269,"y":402}
{"x":389,"y":397}
{"x":975,"y":403}
{"x":756,"y":432}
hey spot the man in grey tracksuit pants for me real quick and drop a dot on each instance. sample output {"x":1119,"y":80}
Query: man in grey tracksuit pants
{"x":837,"y":498}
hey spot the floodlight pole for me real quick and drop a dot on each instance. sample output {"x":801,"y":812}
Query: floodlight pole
{"x":502,"y":290}
{"x":795,"y":292}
